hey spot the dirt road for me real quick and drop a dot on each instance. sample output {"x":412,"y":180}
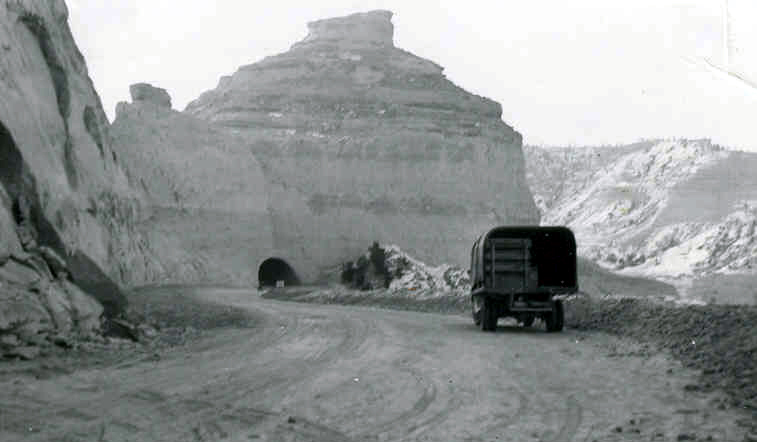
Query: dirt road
{"x":335,"y":373}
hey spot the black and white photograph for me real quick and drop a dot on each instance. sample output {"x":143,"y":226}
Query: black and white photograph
{"x":378,"y":220}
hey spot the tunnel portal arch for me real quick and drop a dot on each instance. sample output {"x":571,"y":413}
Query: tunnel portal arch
{"x":276,"y":269}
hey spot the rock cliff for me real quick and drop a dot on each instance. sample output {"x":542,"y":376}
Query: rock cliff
{"x":207,"y":192}
{"x":362,"y":141}
{"x":67,"y":211}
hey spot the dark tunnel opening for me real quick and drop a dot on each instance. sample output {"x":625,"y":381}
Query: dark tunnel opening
{"x":276,"y":269}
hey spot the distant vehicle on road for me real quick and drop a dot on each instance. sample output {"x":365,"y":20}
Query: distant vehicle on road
{"x":521,"y":272}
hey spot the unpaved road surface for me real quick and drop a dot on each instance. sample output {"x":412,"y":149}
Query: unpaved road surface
{"x":309,"y":372}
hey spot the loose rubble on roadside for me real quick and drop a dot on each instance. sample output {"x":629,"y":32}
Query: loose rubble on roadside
{"x":165,"y":320}
{"x":719,"y":340}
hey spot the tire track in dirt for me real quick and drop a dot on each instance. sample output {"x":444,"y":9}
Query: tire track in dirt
{"x":533,"y":403}
{"x":283,"y":376}
{"x":422,"y":377}
{"x":148,"y":401}
{"x":423,"y":415}
{"x":503,"y":422}
{"x":286,"y":376}
{"x":573,"y":415}
{"x":427,"y":397}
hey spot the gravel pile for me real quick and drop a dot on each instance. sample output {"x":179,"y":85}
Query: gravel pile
{"x":719,"y":340}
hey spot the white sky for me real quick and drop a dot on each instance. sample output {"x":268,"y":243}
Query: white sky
{"x":573,"y":72}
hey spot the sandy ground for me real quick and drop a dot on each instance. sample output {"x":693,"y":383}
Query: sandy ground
{"x":306,"y":372}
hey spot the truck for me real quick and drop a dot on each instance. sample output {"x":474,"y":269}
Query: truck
{"x":523,"y":272}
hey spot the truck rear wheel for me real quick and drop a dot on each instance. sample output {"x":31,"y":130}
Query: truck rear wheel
{"x":488,"y":315}
{"x":528,"y":319}
{"x":556,"y":318}
{"x":476,"y":304}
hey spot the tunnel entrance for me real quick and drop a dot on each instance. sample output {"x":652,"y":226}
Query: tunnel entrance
{"x":276,"y":269}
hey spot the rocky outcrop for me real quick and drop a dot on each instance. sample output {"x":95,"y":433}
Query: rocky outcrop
{"x":359,"y":30}
{"x":67,"y":211}
{"x":362,"y":141}
{"x":206,"y":190}
{"x":146,"y":93}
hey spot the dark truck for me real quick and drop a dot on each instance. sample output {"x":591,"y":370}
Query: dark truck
{"x":522,"y":272}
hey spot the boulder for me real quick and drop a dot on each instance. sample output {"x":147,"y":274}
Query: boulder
{"x":17,"y":273}
{"x":22,"y":309}
{"x":53,"y":298}
{"x":85,"y":310}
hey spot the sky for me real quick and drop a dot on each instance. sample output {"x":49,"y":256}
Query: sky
{"x":579,"y":72}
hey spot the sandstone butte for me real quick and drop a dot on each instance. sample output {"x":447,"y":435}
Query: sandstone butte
{"x":68,"y":213}
{"x":307,"y":156}
{"x":311,"y":155}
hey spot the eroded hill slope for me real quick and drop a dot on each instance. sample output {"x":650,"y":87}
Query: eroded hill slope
{"x":678,"y":210}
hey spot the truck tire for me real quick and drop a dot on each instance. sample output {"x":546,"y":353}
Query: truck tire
{"x":528,"y":319}
{"x":556,"y":318}
{"x":488,"y":315}
{"x":476,"y":303}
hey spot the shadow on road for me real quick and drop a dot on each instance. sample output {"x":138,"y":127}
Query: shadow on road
{"x":536,"y":330}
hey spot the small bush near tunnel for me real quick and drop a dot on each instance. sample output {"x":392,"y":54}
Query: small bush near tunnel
{"x":368,"y":272}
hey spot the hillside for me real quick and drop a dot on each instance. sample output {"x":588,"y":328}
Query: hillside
{"x":345,"y":140}
{"x":683,"y":211}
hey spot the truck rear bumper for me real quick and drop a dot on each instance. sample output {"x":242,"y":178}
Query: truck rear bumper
{"x":523,"y":302}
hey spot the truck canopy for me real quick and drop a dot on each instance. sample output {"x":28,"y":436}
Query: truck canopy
{"x":526,"y":259}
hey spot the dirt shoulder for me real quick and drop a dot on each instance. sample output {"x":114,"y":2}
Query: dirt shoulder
{"x":168,"y":318}
{"x":718,"y":340}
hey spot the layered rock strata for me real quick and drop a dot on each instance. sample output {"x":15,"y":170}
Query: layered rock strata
{"x":362,"y":141}
{"x":207,"y":192}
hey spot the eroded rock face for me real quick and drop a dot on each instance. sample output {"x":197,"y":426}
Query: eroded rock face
{"x":67,"y":211}
{"x":362,"y":141}
{"x":147,"y":93}
{"x":207,"y":192}
{"x":361,"y":29}
{"x":683,"y":211}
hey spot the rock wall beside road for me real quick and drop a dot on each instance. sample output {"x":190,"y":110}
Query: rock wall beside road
{"x":67,"y":212}
{"x":207,"y":193}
